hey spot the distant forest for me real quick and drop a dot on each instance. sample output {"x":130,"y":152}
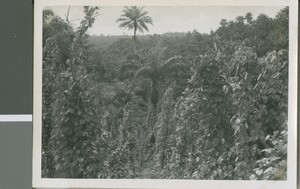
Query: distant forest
{"x":170,"y":106}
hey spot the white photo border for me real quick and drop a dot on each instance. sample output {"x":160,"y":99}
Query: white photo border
{"x":291,"y":182}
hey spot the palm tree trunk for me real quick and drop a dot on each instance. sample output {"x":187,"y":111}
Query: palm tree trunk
{"x":134,"y":38}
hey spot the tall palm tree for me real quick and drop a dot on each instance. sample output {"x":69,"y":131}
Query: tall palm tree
{"x":135,"y":18}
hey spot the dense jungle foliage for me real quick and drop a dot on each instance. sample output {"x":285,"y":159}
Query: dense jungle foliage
{"x":174,"y":106}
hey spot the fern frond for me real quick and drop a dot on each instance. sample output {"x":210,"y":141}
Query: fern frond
{"x":144,"y":72}
{"x":173,"y":64}
{"x":126,"y":67}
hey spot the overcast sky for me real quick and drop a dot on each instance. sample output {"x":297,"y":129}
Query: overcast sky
{"x":165,"y":19}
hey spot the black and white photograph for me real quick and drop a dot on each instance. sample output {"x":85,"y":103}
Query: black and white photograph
{"x":164,"y":93}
